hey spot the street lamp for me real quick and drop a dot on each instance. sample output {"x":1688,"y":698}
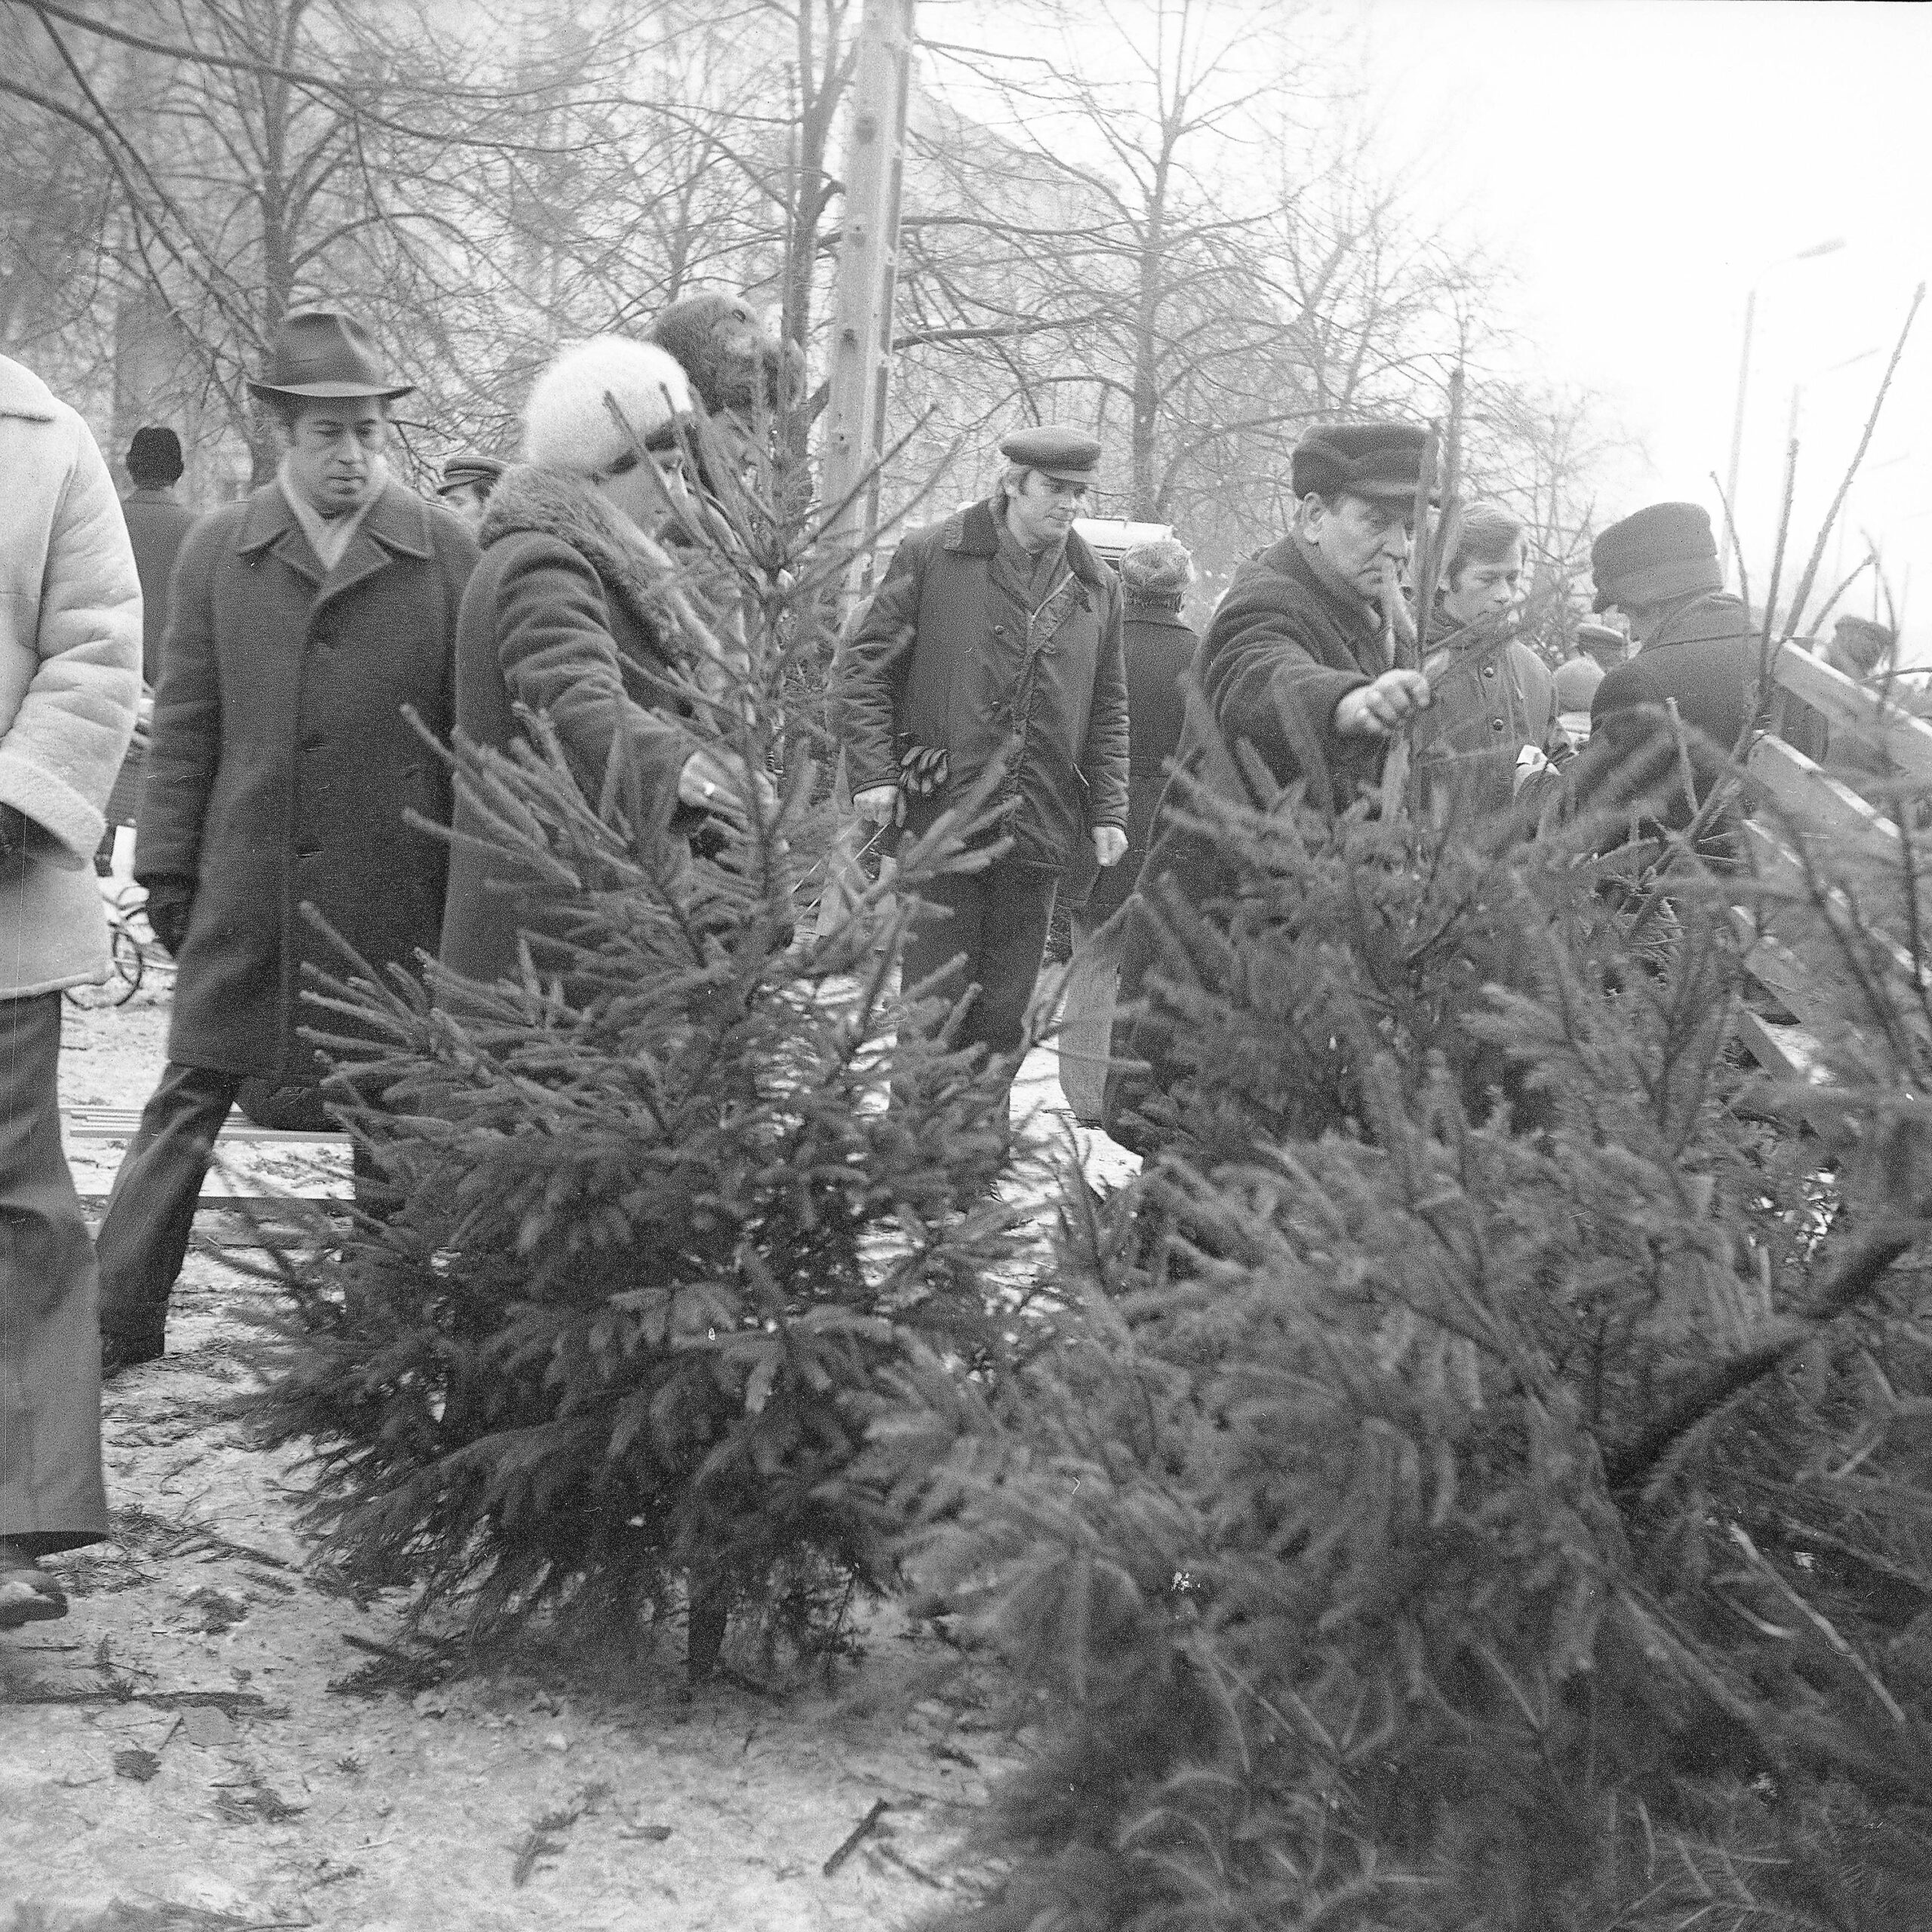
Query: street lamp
{"x":1798,"y":388}
{"x":1810,"y":254}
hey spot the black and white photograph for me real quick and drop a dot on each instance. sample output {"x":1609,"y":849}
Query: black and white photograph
{"x":966,"y":966}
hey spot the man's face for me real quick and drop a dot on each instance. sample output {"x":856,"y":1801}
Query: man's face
{"x":1041,"y":510}
{"x":467,"y":500}
{"x":1642,"y":620}
{"x":1355,"y":535}
{"x":1484,"y":589}
{"x":335,"y":449}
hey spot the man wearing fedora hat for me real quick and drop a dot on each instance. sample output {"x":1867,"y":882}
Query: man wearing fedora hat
{"x":1696,"y":650}
{"x":1292,"y":667}
{"x":996,"y":634}
{"x":282,"y":775}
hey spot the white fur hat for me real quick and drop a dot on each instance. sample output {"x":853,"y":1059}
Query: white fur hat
{"x":566,"y":424}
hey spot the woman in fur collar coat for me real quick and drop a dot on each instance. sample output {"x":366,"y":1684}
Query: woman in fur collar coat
{"x":559,"y":619}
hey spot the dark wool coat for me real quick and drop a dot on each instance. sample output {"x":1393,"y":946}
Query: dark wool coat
{"x":157,"y":527}
{"x":1159,"y":647}
{"x":1484,"y":707}
{"x":1705,"y":657}
{"x":936,"y":660}
{"x":1282,"y":649}
{"x":281,"y":764}
{"x":559,"y":618}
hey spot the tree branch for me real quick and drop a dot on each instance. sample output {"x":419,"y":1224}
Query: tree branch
{"x":1854,"y":1283}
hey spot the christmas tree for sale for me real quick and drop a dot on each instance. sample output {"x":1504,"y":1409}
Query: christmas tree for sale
{"x":673,"y":1200}
{"x":1483,"y":1487}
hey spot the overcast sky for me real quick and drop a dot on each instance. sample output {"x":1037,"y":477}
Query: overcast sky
{"x":1643,"y":164}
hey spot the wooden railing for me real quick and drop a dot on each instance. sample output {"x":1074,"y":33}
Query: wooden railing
{"x":1811,"y":831}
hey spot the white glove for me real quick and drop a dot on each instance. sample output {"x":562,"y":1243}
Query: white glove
{"x":1529,"y":761}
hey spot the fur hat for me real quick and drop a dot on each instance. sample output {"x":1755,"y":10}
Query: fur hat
{"x":1655,"y":555}
{"x":732,"y":362}
{"x":1380,"y":461}
{"x":1156,"y":573}
{"x":566,"y":424}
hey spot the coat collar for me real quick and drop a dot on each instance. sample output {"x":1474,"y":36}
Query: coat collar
{"x":1710,"y":616}
{"x":974,"y":532}
{"x":550,"y":503}
{"x":1141,"y":614}
{"x":1289,"y":557}
{"x":23,"y":393}
{"x":396,"y":525}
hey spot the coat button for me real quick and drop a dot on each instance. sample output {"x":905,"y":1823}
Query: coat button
{"x":1496,"y":723}
{"x":1489,"y":670}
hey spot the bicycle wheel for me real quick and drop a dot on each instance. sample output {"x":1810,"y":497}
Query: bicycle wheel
{"x":127,"y":962}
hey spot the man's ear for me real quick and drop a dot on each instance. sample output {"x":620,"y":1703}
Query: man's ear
{"x":1308,"y":514}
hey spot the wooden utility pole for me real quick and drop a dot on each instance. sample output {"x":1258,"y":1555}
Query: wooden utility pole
{"x":867,"y":272}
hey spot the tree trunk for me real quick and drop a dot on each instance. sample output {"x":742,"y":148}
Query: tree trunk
{"x":709,"y":1608}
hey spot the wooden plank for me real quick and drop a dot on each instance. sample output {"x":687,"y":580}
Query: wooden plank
{"x":1778,"y":1049}
{"x":1777,"y":865}
{"x":1816,"y":989}
{"x":1789,"y":1052}
{"x":1816,"y":802}
{"x":1851,"y":706}
{"x":84,"y":1123}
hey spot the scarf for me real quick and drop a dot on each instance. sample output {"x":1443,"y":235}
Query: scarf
{"x":331,"y":536}
{"x":1028,"y":578}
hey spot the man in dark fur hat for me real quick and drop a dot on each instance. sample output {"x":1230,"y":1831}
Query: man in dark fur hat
{"x":1697,"y":650}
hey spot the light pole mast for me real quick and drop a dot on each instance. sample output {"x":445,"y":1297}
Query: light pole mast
{"x":867,"y":274}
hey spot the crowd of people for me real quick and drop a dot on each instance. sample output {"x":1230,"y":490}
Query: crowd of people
{"x":303,"y":649}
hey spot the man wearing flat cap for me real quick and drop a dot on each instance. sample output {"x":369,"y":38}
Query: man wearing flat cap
{"x":1292,"y":666}
{"x":1863,"y":651}
{"x":995,"y":633}
{"x":1697,"y":648}
{"x":468,"y":480}
{"x":306,"y":618}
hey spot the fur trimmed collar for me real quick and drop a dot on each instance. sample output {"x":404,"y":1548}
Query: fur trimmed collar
{"x":549,"y":503}
{"x":973,"y":532}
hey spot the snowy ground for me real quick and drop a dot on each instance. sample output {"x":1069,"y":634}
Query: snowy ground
{"x":220,"y":1735}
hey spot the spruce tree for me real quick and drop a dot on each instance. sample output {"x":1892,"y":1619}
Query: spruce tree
{"x":1483,"y":1485}
{"x":666,"y":1219}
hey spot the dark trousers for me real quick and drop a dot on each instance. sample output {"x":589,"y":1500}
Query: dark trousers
{"x":151,"y":1212}
{"x":50,"y":1493}
{"x":995,"y":923}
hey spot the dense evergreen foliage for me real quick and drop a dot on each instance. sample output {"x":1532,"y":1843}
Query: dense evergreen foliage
{"x":660,"y":1234}
{"x":1483,"y":1487}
